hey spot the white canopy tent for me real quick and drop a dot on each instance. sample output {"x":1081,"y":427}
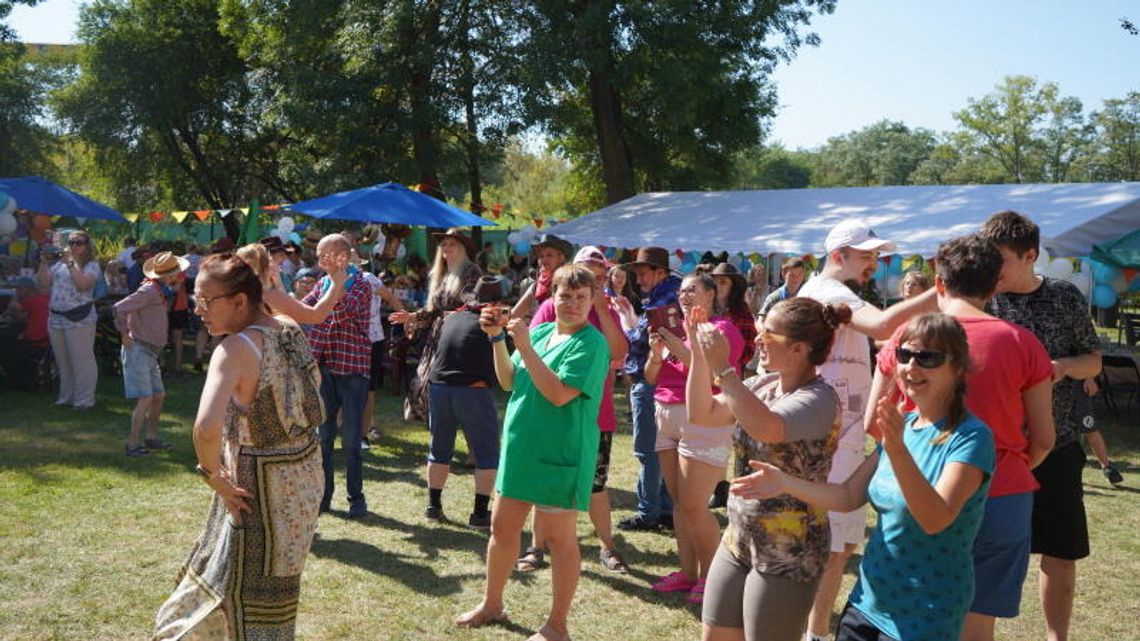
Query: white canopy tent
{"x":1072,"y":217}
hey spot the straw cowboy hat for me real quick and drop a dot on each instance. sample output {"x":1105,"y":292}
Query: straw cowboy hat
{"x":164,"y":264}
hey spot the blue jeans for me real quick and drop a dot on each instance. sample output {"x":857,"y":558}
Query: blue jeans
{"x":344,"y":394}
{"x":652,"y":498}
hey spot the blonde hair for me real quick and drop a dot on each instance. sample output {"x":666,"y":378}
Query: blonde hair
{"x":89,"y":248}
{"x":256,"y":256}
{"x":446,"y":278}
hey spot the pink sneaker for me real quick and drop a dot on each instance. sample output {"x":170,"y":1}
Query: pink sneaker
{"x":674,"y":582}
{"x":697,"y":593}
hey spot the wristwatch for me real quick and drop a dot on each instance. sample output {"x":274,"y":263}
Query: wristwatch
{"x":718,"y":378}
{"x":203,"y":472}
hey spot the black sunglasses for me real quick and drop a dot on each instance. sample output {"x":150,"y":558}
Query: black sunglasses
{"x":925,"y":359}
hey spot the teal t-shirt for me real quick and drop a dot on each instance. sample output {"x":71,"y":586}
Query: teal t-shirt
{"x":913,"y":585}
{"x":549,"y":453}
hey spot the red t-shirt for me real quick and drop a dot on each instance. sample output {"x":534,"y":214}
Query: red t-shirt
{"x":673,"y":373}
{"x":36,"y":331}
{"x":1006,"y":360}
{"x":607,"y":416}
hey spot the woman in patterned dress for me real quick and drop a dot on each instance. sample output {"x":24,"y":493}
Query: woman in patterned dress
{"x":763,"y":577}
{"x":255,"y":439}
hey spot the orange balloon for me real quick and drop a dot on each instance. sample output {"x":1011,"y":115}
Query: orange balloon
{"x":41,"y":225}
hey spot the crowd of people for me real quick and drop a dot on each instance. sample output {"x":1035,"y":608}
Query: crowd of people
{"x":762,"y":399}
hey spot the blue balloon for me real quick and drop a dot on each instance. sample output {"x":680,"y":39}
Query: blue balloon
{"x":894,"y":268}
{"x":1103,"y":274}
{"x":295,"y":237}
{"x":522,"y":247}
{"x":880,"y":274}
{"x":688,"y":266}
{"x":1103,"y":296}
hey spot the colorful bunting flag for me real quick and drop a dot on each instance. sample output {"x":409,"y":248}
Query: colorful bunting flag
{"x":156,"y":216}
{"x":179,"y":216}
{"x":202,"y":214}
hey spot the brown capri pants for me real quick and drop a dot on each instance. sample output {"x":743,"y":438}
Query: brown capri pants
{"x":767,"y":607}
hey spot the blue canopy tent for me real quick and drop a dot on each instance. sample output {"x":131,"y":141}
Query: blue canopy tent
{"x":388,"y":203}
{"x":42,"y":196}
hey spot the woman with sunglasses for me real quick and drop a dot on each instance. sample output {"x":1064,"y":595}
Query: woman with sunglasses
{"x":764,"y":575}
{"x":693,"y":457}
{"x":927,"y":479}
{"x":256,"y":446}
{"x":71,"y":325}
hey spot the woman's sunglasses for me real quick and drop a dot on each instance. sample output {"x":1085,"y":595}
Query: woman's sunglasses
{"x":925,"y":359}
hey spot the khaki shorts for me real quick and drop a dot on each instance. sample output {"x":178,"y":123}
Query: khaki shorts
{"x":711,"y":445}
{"x":846,"y":527}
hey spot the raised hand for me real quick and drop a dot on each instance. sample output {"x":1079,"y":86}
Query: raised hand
{"x":713,"y":345}
{"x":889,"y":419}
{"x":767,"y":481}
{"x":519,"y":330}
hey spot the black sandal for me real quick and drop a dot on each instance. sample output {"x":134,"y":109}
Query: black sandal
{"x":531,"y":560}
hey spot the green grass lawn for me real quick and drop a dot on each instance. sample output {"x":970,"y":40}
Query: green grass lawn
{"x":92,"y":540}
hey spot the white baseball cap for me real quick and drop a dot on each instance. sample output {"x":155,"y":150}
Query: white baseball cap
{"x":856,"y":234}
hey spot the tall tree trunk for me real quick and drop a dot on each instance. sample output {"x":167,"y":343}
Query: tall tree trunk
{"x":471,"y":122}
{"x":617,"y":161}
{"x":425,"y":123}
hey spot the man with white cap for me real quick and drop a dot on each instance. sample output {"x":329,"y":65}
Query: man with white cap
{"x":141,"y":319}
{"x":852,"y":258}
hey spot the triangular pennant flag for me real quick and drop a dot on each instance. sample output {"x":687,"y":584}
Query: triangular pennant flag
{"x":538,"y":223}
{"x":131,"y":217}
{"x":179,"y":216}
{"x":225,"y":212}
{"x":910,"y":261}
{"x":202,"y":214}
{"x":156,"y":216}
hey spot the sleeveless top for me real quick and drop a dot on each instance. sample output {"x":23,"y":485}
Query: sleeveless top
{"x":287,"y":408}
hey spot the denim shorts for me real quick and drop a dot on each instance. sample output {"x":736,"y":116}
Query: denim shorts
{"x":141,"y":375}
{"x":1001,"y":555}
{"x":450,"y":406}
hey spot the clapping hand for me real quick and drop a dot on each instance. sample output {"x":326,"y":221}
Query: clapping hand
{"x":519,"y":330}
{"x":337,"y":269}
{"x":713,"y":346}
{"x":767,"y":481}
{"x":889,"y":420}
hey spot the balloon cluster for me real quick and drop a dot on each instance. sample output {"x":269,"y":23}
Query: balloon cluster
{"x":522,"y":239}
{"x":1108,"y":283}
{"x":7,"y":214}
{"x":284,"y":231}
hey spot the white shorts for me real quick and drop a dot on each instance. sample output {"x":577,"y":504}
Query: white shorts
{"x":709,"y":445}
{"x":846,"y":527}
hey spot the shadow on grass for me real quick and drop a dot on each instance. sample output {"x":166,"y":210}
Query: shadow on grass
{"x":411,"y":572}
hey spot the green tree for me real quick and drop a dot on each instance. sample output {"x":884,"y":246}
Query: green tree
{"x":772,"y":168}
{"x":1030,"y":129}
{"x":885,"y":153}
{"x":163,"y":99}
{"x":656,"y":95}
{"x":25,"y":143}
{"x":1116,"y":140}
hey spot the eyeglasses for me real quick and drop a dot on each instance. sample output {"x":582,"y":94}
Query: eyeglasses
{"x":204,"y":302}
{"x":925,"y":359}
{"x":775,"y":337}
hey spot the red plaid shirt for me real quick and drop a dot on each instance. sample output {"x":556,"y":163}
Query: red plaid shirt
{"x":340,"y":344}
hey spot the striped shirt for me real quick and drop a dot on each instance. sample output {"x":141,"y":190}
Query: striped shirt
{"x":340,"y":344}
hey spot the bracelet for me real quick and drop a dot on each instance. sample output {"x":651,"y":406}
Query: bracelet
{"x":203,"y":472}
{"x":718,"y":378}
{"x":497,"y":338}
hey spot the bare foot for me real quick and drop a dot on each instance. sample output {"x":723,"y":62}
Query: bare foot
{"x":548,"y":633}
{"x":480,"y":617}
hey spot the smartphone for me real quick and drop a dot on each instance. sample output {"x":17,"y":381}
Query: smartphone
{"x":503,"y":316}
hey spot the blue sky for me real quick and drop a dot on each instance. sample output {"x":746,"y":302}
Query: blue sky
{"x":916,"y":60}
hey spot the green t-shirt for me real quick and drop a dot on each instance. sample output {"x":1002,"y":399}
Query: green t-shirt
{"x":549,"y":453}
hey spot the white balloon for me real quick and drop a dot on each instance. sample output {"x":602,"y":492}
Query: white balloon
{"x":892,"y":285}
{"x":9,"y":207}
{"x":1042,"y":262}
{"x":529,"y":233}
{"x":1082,"y":282}
{"x":7,"y":223}
{"x":1059,"y":268}
{"x":285,"y":224}
{"x":514,"y":238}
{"x":401,"y":251}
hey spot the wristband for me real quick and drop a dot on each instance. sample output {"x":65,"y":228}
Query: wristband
{"x":718,"y":378}
{"x":498,"y":338}
{"x":203,"y":472}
